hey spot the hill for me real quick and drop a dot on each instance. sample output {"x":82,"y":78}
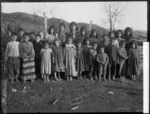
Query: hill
{"x":34,"y":23}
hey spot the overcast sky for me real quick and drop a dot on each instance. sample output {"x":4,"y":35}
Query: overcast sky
{"x":134,"y":15}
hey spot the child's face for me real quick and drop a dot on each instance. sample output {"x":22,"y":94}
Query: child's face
{"x":95,"y":46}
{"x":94,"y":33}
{"x":56,"y":43}
{"x":73,"y":27}
{"x":133,"y":45}
{"x":21,"y":33}
{"x":32,"y":37}
{"x":37,"y":39}
{"x":52,"y":30}
{"x":83,"y":32}
{"x":69,"y":41}
{"x":119,"y":34}
{"x":46,"y":45}
{"x":105,"y":38}
{"x":41,"y":34}
{"x":62,"y":28}
{"x":101,"y":50}
{"x":111,"y":35}
{"x":128,"y":32}
{"x":26,"y":38}
{"x":79,"y":45}
{"x":87,"y":42}
{"x":14,"y":38}
{"x":123,"y":45}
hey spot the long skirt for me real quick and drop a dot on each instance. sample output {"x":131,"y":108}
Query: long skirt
{"x":28,"y":69}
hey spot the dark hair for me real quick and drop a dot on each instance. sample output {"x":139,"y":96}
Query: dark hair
{"x":51,"y":27}
{"x":116,"y":33}
{"x":73,"y":23}
{"x":45,"y":42}
{"x":122,"y":42}
{"x":62,"y":24}
{"x":104,"y":35}
{"x":111,"y":32}
{"x":128,"y":29}
{"x":25,"y":34}
{"x":20,"y":29}
{"x":37,"y":35}
{"x":94,"y":43}
{"x":31,"y":33}
{"x":13,"y":34}
{"x":93,"y":32}
{"x":83,"y":29}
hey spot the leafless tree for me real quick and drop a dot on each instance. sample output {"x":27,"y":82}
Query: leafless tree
{"x":114,"y":10}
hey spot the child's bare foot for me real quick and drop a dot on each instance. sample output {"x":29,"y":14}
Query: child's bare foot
{"x":70,"y":78}
{"x":114,"y":78}
{"x":105,"y":79}
{"x":91,"y":79}
{"x":32,"y":80}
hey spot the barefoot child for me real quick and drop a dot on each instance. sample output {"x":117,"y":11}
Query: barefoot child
{"x":80,"y":60}
{"x":134,"y":61}
{"x":102,"y":60}
{"x":122,"y":56}
{"x":37,"y":48}
{"x":46,"y":55}
{"x":70,"y":59}
{"x":86,"y":54}
{"x":27,"y":55}
{"x":58,"y":59}
{"x":12,"y":58}
{"x":92,"y":60}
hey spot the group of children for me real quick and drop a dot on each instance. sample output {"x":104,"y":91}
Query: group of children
{"x":72,"y":54}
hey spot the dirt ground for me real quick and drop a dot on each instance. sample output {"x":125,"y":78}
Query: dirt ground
{"x":76,"y":96}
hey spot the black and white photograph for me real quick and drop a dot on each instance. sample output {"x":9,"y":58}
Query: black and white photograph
{"x":74,"y":57}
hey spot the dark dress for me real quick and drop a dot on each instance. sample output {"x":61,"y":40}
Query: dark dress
{"x":37,"y":48}
{"x":80,"y":60}
{"x":86,"y":54}
{"x":134,"y":62}
{"x":58,"y":60}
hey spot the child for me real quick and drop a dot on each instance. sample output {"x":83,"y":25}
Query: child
{"x":118,"y":35}
{"x":83,"y":34}
{"x":73,"y":31}
{"x":32,"y":37}
{"x":86,"y":54}
{"x":70,"y":57}
{"x":80,"y":60}
{"x":27,"y":54}
{"x":37,"y":48}
{"x":46,"y":55}
{"x":62,"y":34}
{"x":122,"y":56}
{"x":92,"y":61}
{"x":20,"y":35}
{"x":134,"y":61}
{"x":12,"y":58}
{"x":112,"y":37}
{"x":112,"y":54}
{"x":58,"y":59}
{"x":51,"y":34}
{"x":93,"y":37}
{"x":102,"y":60}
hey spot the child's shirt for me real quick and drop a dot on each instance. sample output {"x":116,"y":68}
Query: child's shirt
{"x":12,"y":49}
{"x":92,"y":56}
{"x":37,"y":48}
{"x":102,"y":58}
{"x":122,"y":54}
{"x":112,"y":52}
